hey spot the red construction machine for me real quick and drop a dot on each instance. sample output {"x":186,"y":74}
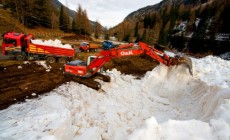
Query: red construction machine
{"x":85,"y":73}
{"x":20,"y":47}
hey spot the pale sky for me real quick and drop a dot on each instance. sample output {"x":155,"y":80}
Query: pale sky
{"x":108,"y":12}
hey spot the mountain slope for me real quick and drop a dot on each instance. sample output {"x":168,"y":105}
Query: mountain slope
{"x":162,"y":4}
{"x":203,"y":20}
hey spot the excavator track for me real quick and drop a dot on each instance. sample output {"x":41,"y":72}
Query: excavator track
{"x":89,"y":82}
{"x":102,"y":77}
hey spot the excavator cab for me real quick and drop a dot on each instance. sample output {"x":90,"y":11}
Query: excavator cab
{"x":90,"y":59}
{"x":77,"y":67}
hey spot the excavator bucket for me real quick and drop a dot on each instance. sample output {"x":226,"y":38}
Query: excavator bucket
{"x":188,"y":62}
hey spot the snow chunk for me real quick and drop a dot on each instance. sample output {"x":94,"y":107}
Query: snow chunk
{"x":43,"y":63}
{"x":173,"y":130}
{"x":26,"y":62}
{"x":54,"y":43}
{"x":19,"y":67}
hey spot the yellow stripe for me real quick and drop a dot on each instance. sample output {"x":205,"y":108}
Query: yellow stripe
{"x":32,"y":51}
{"x":39,"y":49}
{"x":32,"y":46}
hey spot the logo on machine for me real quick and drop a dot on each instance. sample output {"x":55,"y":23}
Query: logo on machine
{"x":127,"y":53}
{"x":79,"y":71}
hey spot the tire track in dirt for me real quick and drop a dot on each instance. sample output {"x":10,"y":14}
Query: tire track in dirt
{"x":18,"y":82}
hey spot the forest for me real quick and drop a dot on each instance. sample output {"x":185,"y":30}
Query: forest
{"x":204,"y":23}
{"x":52,"y":14}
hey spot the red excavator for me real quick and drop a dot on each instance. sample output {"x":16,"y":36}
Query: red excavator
{"x":85,"y":73}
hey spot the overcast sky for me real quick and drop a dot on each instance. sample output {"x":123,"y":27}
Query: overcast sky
{"x":108,"y":12}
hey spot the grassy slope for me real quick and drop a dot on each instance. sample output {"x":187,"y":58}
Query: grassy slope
{"x":10,"y":23}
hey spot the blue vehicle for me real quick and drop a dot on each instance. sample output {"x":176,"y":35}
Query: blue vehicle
{"x":107,"y":45}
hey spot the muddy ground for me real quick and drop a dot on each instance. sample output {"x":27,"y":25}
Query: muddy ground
{"x":19,"y":81}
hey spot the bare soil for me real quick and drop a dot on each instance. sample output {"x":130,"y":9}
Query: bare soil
{"x":19,"y":81}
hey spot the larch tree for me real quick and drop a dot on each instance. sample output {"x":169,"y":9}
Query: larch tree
{"x":87,"y":26}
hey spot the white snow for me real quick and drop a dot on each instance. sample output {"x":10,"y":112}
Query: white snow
{"x":197,"y":21}
{"x":54,"y":43}
{"x":168,"y":103}
{"x":19,"y":67}
{"x":43,"y":63}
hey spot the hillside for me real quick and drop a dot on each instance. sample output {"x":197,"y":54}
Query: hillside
{"x":160,"y":23}
{"x":157,"y":7}
{"x":42,"y":18}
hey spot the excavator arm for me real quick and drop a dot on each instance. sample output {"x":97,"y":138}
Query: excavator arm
{"x":106,"y":55}
{"x":126,"y":50}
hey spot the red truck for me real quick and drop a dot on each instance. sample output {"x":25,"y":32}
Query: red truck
{"x":87,"y":47}
{"x":20,"y":47}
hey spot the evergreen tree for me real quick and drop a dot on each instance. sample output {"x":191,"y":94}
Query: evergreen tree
{"x":136,"y":33}
{"x":42,"y":13}
{"x":143,"y":37}
{"x":146,"y":21}
{"x":32,"y":12}
{"x":197,"y":43}
{"x":224,"y":28}
{"x":63,"y":20}
{"x":97,"y":30}
{"x":126,"y":38}
{"x":79,"y":20}
{"x":74,"y":27}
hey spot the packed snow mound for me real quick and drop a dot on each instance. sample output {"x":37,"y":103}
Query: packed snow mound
{"x":54,"y":43}
{"x":212,"y":70}
{"x":168,"y":103}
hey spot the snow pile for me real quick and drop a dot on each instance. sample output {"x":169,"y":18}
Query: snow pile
{"x":168,"y":103}
{"x":212,"y":70}
{"x":54,"y":43}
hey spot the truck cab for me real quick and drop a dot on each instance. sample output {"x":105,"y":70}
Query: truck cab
{"x":12,"y":43}
{"x":107,"y":45}
{"x":84,"y":46}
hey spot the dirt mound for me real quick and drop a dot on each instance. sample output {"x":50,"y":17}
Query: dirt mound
{"x":135,"y":65}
